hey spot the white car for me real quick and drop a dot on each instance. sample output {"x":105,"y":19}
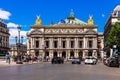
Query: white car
{"x":89,"y":61}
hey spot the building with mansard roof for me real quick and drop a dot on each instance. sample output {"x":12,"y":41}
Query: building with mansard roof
{"x":4,"y":38}
{"x":112,"y":19}
{"x":68,"y":38}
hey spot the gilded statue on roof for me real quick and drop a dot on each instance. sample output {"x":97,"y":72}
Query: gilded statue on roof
{"x":90,"y":21}
{"x":38,"y":21}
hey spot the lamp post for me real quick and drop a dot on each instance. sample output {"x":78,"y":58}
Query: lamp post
{"x":18,"y":45}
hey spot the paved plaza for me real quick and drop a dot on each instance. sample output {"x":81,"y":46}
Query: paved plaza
{"x":66,"y":71}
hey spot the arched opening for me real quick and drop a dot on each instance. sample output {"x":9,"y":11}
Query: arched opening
{"x":46,"y":56}
{"x":55,"y":54}
{"x":64,"y":54}
{"x":36,"y":53}
{"x":71,"y":54}
{"x":90,"y":53}
{"x":80,"y":55}
{"x":46,"y":53}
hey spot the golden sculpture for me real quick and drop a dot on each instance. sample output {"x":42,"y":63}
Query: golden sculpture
{"x":38,"y":21}
{"x":90,"y":21}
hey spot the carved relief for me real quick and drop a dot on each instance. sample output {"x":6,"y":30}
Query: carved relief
{"x":55,"y":30}
{"x":47,"y":31}
{"x":72,"y":30}
{"x":64,"y":30}
{"x":80,"y":30}
{"x":35,"y":32}
{"x":90,"y":31}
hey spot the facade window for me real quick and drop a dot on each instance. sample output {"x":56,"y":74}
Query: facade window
{"x":0,"y":24}
{"x":72,"y":44}
{"x":80,"y":44}
{"x":55,"y":44}
{"x":90,"y":44}
{"x":118,"y":13}
{"x":47,"y":44}
{"x":64,"y":44}
{"x":37,"y":44}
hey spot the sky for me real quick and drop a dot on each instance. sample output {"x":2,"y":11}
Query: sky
{"x":24,"y":12}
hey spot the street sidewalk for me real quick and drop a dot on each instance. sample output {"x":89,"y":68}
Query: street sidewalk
{"x":3,"y":63}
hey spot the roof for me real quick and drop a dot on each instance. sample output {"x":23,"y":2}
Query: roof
{"x":73,"y":21}
{"x":117,"y":8}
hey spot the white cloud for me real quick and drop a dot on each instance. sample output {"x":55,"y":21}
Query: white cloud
{"x":4,"y":14}
{"x":103,"y":15}
{"x":10,"y":25}
{"x":14,"y":33}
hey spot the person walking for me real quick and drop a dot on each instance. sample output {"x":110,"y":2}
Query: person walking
{"x":7,"y":58}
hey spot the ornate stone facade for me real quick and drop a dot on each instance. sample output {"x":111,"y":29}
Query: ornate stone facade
{"x":4,"y":38}
{"x":69,"y":38}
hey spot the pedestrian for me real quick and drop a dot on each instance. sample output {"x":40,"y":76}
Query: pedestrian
{"x":7,"y":58}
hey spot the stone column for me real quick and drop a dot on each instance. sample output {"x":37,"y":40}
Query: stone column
{"x":34,"y":43}
{"x":60,"y":42}
{"x":39,"y":43}
{"x":51,"y":54}
{"x":85,"y":53}
{"x":94,"y":42}
{"x":51,"y":43}
{"x":76,"y":53}
{"x":84,"y":43}
{"x":68,"y":54}
{"x":67,"y":43}
{"x":31,"y":42}
{"x":75,"y":40}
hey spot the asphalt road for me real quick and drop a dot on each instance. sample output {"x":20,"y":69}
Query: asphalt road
{"x":67,"y":71}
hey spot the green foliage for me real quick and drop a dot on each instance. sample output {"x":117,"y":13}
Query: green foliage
{"x":114,"y":35}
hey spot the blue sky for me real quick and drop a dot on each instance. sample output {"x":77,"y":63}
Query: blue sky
{"x":24,"y":12}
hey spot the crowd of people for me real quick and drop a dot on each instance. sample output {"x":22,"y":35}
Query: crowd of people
{"x":25,"y":58}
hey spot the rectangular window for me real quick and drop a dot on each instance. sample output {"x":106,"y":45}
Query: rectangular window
{"x":47,"y":44}
{"x":118,"y":13}
{"x":80,"y":44}
{"x":37,"y":44}
{"x":64,"y":44}
{"x":55,"y":44}
{"x":72,"y":44}
{"x":90,"y":44}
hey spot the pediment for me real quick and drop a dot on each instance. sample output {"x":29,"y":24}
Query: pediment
{"x":35,"y":32}
{"x":90,"y":31}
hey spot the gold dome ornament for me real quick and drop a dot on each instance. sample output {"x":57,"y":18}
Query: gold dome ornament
{"x":38,"y":21}
{"x":90,"y":21}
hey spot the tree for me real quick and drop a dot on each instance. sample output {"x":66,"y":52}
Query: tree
{"x":114,"y":36}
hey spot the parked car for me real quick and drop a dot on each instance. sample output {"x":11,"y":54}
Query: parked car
{"x":90,"y":60}
{"x":76,"y":61}
{"x":113,"y":62}
{"x":57,"y":60}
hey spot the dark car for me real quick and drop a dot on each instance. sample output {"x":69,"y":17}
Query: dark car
{"x":113,"y":62}
{"x":57,"y":60}
{"x":76,"y":61}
